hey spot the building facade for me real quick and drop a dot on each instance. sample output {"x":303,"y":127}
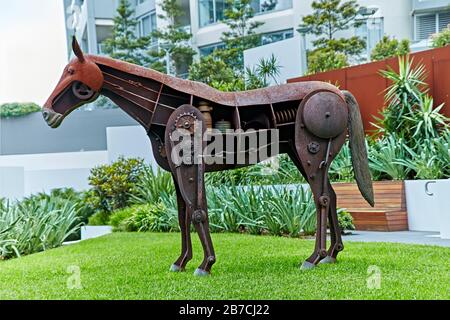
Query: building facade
{"x":91,"y":20}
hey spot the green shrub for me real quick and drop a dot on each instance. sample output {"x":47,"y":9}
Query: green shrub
{"x":388,"y":48}
{"x":154,"y":217}
{"x":441,"y":39}
{"x":112,"y":184}
{"x":324,"y":60}
{"x":100,"y":218}
{"x":9,"y":110}
{"x":35,"y":225}
{"x":345,"y":220}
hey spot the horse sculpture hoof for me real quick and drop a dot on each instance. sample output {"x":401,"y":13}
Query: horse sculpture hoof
{"x":328,"y":260}
{"x":307,"y":266}
{"x":201,"y":273}
{"x":175,"y":268}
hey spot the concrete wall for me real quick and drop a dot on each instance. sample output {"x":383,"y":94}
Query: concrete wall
{"x":80,"y":131}
{"x":129,"y":142}
{"x":23,"y":175}
{"x":26,"y":174}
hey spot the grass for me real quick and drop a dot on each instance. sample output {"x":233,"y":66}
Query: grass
{"x":135,"y":266}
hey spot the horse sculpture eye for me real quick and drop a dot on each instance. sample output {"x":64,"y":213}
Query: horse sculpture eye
{"x":82,"y":91}
{"x":70,"y":71}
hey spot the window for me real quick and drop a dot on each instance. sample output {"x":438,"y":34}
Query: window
{"x":207,"y":50}
{"x":264,"y":6}
{"x":276,"y":36}
{"x":147,"y":24}
{"x":428,"y":24}
{"x":211,"y":11}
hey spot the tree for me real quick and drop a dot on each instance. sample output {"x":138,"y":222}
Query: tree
{"x":226,"y":79}
{"x":388,"y":48}
{"x":241,"y":35}
{"x":173,"y":41}
{"x":441,"y":39}
{"x":325,"y":60}
{"x":210,"y":69}
{"x":227,"y":62}
{"x":124,"y":44}
{"x":328,"y":18}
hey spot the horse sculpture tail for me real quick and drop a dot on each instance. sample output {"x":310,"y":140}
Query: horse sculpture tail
{"x":358,"y":149}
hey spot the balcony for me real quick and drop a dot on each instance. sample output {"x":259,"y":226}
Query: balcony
{"x":213,"y":11}
{"x":430,"y":5}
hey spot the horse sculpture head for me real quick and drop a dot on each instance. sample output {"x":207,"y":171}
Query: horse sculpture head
{"x":80,"y":83}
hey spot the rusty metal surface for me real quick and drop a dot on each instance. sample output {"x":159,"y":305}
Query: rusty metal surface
{"x":367,"y":85}
{"x":311,"y":120}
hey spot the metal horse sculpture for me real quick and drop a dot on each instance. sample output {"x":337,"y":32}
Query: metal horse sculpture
{"x":312,"y":119}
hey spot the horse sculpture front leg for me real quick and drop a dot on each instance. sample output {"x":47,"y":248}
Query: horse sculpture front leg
{"x":184,"y":149}
{"x":184,"y":219}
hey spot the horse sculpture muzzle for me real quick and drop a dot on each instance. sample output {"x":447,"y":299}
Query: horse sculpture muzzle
{"x":52,"y":118}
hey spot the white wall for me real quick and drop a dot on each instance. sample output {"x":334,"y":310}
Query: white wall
{"x":12,"y":183}
{"x":287,"y":52}
{"x":23,"y":175}
{"x":130,"y":142}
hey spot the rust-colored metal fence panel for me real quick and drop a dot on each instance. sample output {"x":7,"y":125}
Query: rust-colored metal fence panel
{"x":368,"y":86}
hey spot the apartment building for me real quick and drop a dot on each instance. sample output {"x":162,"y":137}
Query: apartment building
{"x":417,"y":20}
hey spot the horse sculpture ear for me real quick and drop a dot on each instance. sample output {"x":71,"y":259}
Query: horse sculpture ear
{"x":77,"y":50}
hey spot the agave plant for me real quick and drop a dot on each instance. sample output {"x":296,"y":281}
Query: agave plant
{"x":150,"y":185}
{"x":442,"y":147}
{"x":341,"y":169}
{"x":426,"y":119}
{"x":35,"y":225}
{"x":290,"y":212}
{"x":384,"y":155}
{"x":424,"y":163}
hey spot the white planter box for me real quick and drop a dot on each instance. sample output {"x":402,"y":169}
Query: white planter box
{"x":89,"y":232}
{"x":443,"y":191}
{"x":428,"y":205}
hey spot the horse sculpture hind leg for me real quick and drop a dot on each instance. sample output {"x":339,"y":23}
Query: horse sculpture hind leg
{"x":336,"y":245}
{"x":320,"y":132}
{"x":184,"y":147}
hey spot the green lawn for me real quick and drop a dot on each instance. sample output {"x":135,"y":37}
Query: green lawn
{"x":135,"y":266}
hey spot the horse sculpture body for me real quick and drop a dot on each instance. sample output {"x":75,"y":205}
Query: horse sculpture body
{"x":311,"y":120}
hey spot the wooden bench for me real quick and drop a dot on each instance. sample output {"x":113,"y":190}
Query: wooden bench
{"x":389,"y":213}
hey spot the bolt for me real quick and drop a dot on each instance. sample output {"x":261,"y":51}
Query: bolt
{"x":327,"y":115}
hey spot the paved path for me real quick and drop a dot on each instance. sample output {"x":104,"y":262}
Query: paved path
{"x":415,"y":237}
